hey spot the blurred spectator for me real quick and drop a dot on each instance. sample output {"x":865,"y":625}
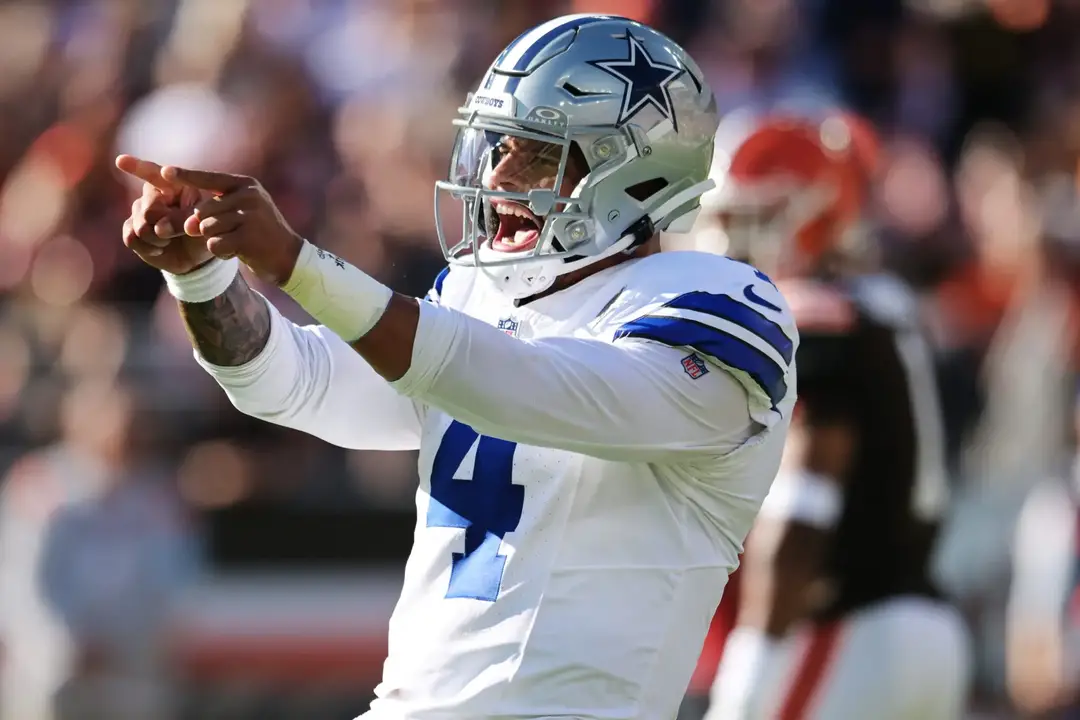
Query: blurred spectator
{"x":103,"y":553}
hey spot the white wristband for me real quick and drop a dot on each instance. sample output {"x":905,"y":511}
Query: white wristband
{"x":342,"y":297}
{"x":204,"y":284}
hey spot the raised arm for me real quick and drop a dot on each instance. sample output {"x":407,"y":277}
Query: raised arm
{"x":230,"y":329}
{"x":629,"y":400}
{"x":227,"y":322}
{"x":304,"y":378}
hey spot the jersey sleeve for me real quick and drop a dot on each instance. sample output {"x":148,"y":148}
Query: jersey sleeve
{"x":629,"y":402}
{"x":742,"y":340}
{"x":309,"y":379}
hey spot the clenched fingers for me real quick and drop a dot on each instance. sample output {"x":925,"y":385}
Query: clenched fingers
{"x":232,"y":205}
{"x":142,"y":221}
{"x":244,"y":199}
{"x":214,"y":227}
{"x":216,"y":182}
{"x":154,"y":221}
{"x":140,"y":246}
{"x":224,"y":246}
{"x":220,"y":231}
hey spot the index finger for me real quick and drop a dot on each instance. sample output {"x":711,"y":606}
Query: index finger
{"x":205,"y":179}
{"x":144,"y":170}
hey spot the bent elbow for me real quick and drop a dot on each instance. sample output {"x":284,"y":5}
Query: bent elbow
{"x":262,"y":402}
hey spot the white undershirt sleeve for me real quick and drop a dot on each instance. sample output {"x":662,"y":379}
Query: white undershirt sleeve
{"x":309,"y":379}
{"x":627,"y":401}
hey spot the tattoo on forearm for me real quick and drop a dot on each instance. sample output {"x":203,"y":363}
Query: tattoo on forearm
{"x":232,"y":328}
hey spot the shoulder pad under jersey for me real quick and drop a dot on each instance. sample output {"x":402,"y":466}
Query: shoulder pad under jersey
{"x":726,"y":311}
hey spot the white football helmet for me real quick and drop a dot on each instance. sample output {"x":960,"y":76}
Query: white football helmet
{"x":587,"y":135}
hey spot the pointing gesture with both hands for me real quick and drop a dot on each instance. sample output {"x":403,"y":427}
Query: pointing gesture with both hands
{"x":183,"y":218}
{"x":155,"y":229}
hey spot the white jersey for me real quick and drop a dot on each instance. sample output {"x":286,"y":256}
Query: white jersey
{"x":590,"y":464}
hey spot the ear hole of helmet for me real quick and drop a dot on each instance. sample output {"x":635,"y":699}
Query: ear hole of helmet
{"x":644,"y":190}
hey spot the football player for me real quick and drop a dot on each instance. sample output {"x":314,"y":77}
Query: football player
{"x":837,"y":617}
{"x":598,"y":423}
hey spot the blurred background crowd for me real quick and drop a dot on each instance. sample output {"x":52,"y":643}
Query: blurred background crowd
{"x":162,"y":556}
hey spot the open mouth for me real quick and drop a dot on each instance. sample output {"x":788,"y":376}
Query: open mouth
{"x":518,"y":230}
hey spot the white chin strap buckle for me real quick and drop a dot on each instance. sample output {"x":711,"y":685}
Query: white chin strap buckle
{"x":521,"y":281}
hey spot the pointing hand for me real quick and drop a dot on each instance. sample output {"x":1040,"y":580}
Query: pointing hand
{"x":155,"y":229}
{"x":238,"y":218}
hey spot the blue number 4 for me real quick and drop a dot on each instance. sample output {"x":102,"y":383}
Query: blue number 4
{"x":488,"y":506}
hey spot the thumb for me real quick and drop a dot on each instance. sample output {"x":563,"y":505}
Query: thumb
{"x":215,"y":182}
{"x":191,"y":226}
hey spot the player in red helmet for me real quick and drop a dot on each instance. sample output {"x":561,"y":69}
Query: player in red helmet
{"x":789,"y":191}
{"x":837,"y":615}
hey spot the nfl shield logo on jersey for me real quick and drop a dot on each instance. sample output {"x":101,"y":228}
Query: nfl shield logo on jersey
{"x":509,"y":326}
{"x":694,"y":366}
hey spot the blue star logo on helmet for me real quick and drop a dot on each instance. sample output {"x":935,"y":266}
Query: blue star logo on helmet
{"x":646,"y":81}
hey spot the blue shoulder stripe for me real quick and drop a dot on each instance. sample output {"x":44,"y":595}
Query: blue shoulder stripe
{"x":733,"y":311}
{"x":724,"y":348}
{"x":435,"y":293}
{"x":440,"y":279}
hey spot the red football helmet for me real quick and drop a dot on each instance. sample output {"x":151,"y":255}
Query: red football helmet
{"x":789,"y":188}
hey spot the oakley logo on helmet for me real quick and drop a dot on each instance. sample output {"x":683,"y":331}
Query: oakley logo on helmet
{"x":548,"y":116}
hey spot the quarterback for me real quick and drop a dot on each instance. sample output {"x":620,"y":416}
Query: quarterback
{"x":598,"y":423}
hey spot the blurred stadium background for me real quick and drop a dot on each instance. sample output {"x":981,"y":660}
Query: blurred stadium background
{"x":162,"y":556}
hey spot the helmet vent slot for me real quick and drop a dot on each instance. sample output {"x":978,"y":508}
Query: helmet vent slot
{"x":642,"y":191}
{"x":577,"y":92}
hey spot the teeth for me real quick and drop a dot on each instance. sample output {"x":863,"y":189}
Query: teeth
{"x":513,"y":209}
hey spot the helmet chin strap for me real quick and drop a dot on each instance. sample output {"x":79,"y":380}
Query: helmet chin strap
{"x":546,"y":272}
{"x":643,"y":230}
{"x":680,"y":198}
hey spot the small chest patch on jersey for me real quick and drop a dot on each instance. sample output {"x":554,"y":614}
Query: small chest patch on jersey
{"x":508,"y":325}
{"x":694,"y":366}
